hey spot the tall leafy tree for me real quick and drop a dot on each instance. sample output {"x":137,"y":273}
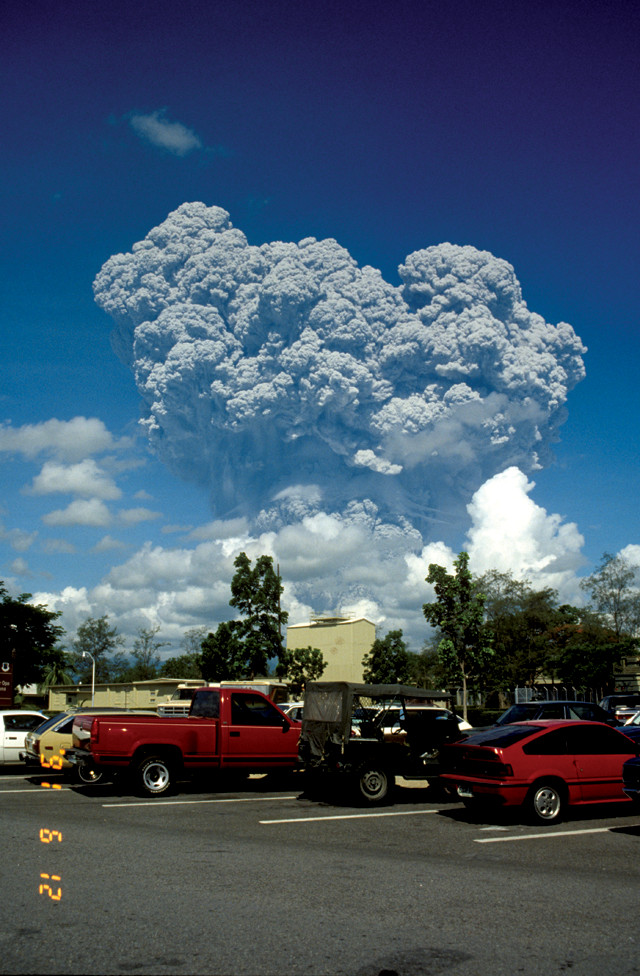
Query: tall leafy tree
{"x":189,"y":663}
{"x":255,"y":593}
{"x":388,"y":661}
{"x":223,"y":655}
{"x":615,"y":594}
{"x":97,"y":638}
{"x":458,"y":614}
{"x":30,"y":635}
{"x":145,"y":656}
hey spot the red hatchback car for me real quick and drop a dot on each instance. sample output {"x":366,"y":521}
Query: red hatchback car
{"x":542,"y":766}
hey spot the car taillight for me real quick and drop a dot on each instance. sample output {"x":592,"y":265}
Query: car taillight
{"x":502,"y":770}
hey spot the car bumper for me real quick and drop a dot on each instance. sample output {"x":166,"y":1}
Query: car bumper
{"x":469,"y":790}
{"x":29,"y":759}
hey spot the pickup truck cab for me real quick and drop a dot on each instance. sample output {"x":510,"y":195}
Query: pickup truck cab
{"x":226,"y":729}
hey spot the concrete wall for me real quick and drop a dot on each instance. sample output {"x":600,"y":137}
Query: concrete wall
{"x":343,"y":643}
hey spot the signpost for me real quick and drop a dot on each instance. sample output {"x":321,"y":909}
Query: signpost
{"x":6,"y":682}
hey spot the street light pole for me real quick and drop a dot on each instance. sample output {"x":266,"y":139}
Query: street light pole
{"x":93,"y":675}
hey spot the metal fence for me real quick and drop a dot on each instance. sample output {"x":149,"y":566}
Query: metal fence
{"x":556,"y":693}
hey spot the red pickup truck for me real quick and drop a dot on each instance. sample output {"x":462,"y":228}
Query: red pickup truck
{"x":226,"y":729}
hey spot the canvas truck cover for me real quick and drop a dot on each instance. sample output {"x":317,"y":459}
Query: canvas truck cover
{"x":329,"y":708}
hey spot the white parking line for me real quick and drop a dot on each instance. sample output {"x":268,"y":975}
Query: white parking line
{"x":563,"y":833}
{"x":352,"y":816}
{"x":174,"y":803}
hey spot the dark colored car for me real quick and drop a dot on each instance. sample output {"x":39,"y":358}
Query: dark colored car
{"x":631,"y":779}
{"x":531,"y":711}
{"x":632,"y":728}
{"x":541,"y":766}
{"x":619,"y":703}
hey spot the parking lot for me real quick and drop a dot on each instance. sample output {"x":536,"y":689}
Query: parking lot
{"x":265,"y":881}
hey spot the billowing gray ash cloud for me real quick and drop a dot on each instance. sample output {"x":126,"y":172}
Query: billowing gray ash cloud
{"x":263,"y":368}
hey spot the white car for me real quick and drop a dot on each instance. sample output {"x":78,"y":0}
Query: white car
{"x":293,"y":709}
{"x":14,"y":726}
{"x":393,"y":728}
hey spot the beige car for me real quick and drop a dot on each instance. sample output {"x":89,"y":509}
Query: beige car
{"x":46,"y":745}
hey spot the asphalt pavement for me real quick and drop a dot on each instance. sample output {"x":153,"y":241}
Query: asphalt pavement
{"x":262,"y":882}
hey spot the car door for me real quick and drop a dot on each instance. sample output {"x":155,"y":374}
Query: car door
{"x":258,"y":733}
{"x":598,"y":753}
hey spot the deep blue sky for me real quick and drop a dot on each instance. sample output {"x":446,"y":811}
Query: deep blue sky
{"x":390,"y":126}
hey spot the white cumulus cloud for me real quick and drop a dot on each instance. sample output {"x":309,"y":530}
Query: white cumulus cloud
{"x":84,"y":478}
{"x":90,"y":511}
{"x":66,"y":440}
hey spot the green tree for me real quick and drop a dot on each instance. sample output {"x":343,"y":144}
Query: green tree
{"x":388,"y":661}
{"x":587,"y":652}
{"x":255,"y":593}
{"x":426,"y":669}
{"x":299,"y":666}
{"x":615,"y":594}
{"x":29,"y":635}
{"x":56,"y":672}
{"x":181,"y":666}
{"x":96,"y":638}
{"x":145,"y":657}
{"x":458,"y":614}
{"x":187,"y":664}
{"x":223,"y":656}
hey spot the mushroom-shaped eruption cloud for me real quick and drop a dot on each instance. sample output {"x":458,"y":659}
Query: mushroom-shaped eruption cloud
{"x":280,"y":365}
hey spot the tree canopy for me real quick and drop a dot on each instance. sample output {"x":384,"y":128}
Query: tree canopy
{"x":458,"y":613}
{"x":388,"y":661}
{"x":30,"y":634}
{"x":242,"y":648}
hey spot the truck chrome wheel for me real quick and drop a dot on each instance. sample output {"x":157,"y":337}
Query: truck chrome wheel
{"x":154,"y":776}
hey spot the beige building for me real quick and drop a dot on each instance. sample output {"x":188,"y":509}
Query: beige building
{"x":343,"y":641}
{"x":117,"y":694}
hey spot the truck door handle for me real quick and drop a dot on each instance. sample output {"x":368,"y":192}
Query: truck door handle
{"x":234,"y":735}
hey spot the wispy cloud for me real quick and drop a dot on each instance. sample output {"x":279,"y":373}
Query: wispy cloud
{"x":173,"y":137}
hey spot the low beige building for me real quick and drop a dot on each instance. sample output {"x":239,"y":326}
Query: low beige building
{"x":343,"y":641}
{"x":117,"y":694}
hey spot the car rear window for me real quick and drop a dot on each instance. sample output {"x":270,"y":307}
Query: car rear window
{"x":504,"y":735}
{"x":518,"y":713}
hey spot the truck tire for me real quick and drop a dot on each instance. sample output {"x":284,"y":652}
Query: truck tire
{"x":153,"y":776}
{"x":373,"y":783}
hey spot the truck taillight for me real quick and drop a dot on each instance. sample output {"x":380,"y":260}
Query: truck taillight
{"x":95,"y":729}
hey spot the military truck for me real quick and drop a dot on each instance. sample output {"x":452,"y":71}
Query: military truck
{"x":356,"y":738}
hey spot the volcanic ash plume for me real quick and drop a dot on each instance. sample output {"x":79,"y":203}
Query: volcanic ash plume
{"x":286,"y":369}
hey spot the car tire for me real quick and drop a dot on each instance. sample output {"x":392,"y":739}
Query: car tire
{"x":154,"y":776}
{"x":545,"y":802}
{"x":373,"y":784}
